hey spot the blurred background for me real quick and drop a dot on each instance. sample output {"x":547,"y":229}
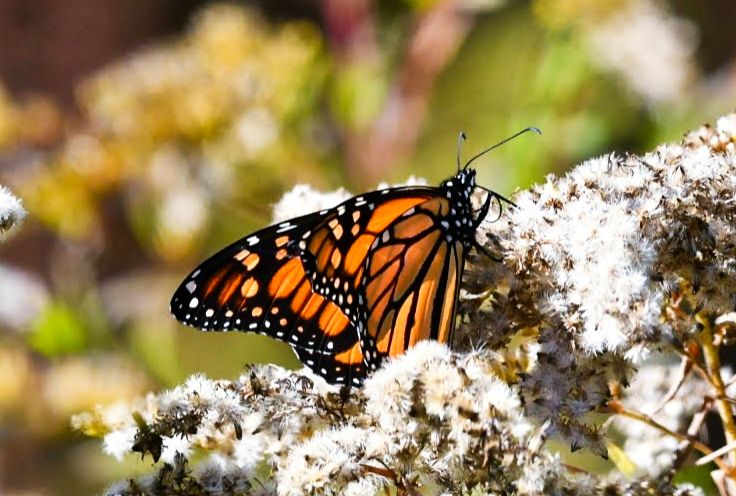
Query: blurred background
{"x":142,"y":136}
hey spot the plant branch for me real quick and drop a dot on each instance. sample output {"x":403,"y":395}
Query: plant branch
{"x":620,"y":409}
{"x":713,"y":366}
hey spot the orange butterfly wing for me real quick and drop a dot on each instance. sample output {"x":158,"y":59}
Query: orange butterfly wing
{"x":258,"y":284}
{"x":396,"y":275}
{"x":411,"y":283}
{"x":348,"y":286}
{"x":299,"y":282}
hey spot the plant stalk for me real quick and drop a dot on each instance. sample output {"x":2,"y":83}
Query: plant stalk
{"x":713,"y":367}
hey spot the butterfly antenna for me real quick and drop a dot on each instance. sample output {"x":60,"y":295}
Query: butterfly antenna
{"x":534,"y":129}
{"x":460,"y":139}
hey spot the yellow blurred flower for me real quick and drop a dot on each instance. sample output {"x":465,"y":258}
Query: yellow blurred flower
{"x":16,"y":370}
{"x":80,"y":383}
{"x":219,"y":100}
{"x":559,"y":14}
{"x":8,"y":117}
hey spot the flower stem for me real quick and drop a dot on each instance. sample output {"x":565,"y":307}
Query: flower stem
{"x":713,"y":367}
{"x":620,"y":409}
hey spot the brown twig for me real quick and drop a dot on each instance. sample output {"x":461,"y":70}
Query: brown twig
{"x":620,"y":409}
{"x":692,"y":431}
{"x":697,"y":365}
{"x":401,"y":485}
{"x":686,"y":367}
{"x":713,"y":366}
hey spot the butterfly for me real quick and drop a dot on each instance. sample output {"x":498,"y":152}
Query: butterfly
{"x":348,"y":286}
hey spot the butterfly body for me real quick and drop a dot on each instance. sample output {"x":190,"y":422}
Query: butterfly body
{"x":348,"y":286}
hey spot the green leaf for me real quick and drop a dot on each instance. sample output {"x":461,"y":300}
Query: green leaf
{"x":622,"y":461}
{"x":58,"y":330}
{"x":156,"y":345}
{"x":358,"y":93}
{"x":698,"y":475}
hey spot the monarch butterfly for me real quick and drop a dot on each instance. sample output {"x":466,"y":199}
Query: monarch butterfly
{"x":348,"y":286}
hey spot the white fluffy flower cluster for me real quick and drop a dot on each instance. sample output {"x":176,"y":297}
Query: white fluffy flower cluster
{"x":663,"y":71}
{"x":605,"y":264}
{"x":621,"y":256}
{"x":429,"y":420}
{"x":303,"y":199}
{"x":12,"y":212}
{"x":429,"y":423}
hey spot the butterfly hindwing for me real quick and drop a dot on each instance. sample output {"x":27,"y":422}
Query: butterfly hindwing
{"x":347,"y":367}
{"x":411,"y":282}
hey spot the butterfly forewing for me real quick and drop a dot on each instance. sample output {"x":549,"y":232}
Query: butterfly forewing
{"x":334,"y":252}
{"x":258,"y":284}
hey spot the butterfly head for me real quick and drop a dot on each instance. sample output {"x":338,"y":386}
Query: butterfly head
{"x":461,"y":220}
{"x":461,"y":183}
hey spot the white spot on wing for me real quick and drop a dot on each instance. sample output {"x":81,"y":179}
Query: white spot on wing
{"x":193,"y":302}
